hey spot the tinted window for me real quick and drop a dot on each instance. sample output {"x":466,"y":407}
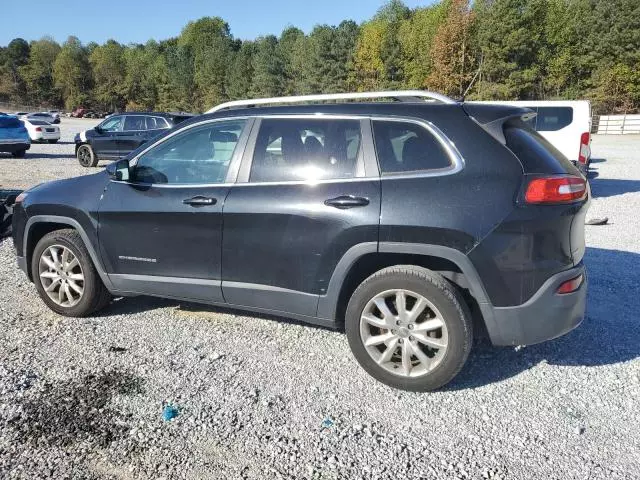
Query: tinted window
{"x":305,"y":149}
{"x":550,"y":119}
{"x":198,"y":155}
{"x":9,"y":122}
{"x":134,"y":122}
{"x":112,"y":125}
{"x":407,"y":147}
{"x":535,"y":152}
{"x":38,"y":122}
{"x":156,"y":123}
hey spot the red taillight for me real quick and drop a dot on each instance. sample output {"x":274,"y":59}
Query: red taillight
{"x":570,"y":286}
{"x":556,"y":190}
{"x":584,"y":153}
{"x":38,"y":129}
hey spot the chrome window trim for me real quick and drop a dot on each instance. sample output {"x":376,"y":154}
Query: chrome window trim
{"x":452,"y":151}
{"x":235,"y":158}
{"x":457,"y":161}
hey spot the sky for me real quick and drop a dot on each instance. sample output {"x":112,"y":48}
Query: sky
{"x":136,"y":21}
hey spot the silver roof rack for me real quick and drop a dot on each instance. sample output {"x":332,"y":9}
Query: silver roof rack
{"x":397,"y":95}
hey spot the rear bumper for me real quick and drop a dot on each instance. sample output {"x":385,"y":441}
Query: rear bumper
{"x":14,"y":147}
{"x":545,"y":316}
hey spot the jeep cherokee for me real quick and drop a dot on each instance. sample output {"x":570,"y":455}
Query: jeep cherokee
{"x":394,"y":220}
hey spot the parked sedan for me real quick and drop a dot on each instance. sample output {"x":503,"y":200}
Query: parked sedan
{"x":14,"y":137}
{"x":41,"y":131}
{"x":42,"y":116}
{"x":119,"y":134}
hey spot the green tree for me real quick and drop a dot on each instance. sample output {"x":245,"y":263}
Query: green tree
{"x":510,"y":38}
{"x":416,"y":35}
{"x":268,"y":69}
{"x":177,"y":88}
{"x":109,"y":71}
{"x":72,"y":73}
{"x":14,"y":56}
{"x":239,"y":75}
{"x":292,"y":48}
{"x":38,"y":72}
{"x":211,"y":45}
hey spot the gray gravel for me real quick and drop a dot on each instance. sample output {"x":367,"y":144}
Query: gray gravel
{"x":83,"y":398}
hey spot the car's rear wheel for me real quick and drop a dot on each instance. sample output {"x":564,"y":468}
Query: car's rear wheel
{"x":65,"y":276}
{"x":86,"y":156}
{"x":19,"y":154}
{"x":409,"y":328}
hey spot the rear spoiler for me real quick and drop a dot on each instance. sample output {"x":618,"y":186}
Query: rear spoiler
{"x":493,"y":117}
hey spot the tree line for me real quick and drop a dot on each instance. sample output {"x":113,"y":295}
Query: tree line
{"x":482,"y":49}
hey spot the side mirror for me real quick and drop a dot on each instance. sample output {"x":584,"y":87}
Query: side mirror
{"x":119,"y":170}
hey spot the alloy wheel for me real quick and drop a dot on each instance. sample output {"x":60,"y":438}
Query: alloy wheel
{"x":403,"y":332}
{"x":61,"y":275}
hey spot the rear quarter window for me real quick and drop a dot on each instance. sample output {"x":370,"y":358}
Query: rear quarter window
{"x":536,"y":153}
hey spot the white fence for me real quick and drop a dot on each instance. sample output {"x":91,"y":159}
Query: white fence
{"x":616,"y":124}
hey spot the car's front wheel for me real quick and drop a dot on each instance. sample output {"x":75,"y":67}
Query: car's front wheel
{"x":409,"y":328}
{"x":65,"y":276}
{"x":86,"y":156}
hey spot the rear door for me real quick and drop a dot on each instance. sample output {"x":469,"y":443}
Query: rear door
{"x":304,"y":197}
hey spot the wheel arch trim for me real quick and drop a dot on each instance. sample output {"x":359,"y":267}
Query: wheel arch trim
{"x":95,"y":258}
{"x":328,"y":304}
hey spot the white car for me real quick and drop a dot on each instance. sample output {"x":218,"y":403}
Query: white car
{"x":565,"y":124}
{"x":43,"y":116}
{"x":41,"y":131}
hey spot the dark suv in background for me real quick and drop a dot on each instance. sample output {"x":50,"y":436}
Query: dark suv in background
{"x":401,"y":222}
{"x":119,"y":134}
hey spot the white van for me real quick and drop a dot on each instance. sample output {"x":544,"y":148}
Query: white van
{"x":566,"y":124}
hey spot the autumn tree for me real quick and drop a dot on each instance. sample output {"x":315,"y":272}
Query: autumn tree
{"x":452,"y":52}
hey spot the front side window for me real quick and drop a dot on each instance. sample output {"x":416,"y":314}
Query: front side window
{"x":198,"y":155}
{"x":306,"y":149}
{"x":112,"y":125}
{"x":407,"y":147}
{"x":134,"y":123}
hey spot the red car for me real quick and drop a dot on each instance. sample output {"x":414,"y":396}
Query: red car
{"x":79,"y":112}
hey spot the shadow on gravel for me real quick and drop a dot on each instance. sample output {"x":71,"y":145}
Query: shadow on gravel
{"x":59,"y":156}
{"x":609,"y":334}
{"x":76,"y":410}
{"x":609,"y":187}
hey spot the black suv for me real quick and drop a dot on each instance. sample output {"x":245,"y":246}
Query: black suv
{"x":120,"y":134}
{"x":397,"y":221}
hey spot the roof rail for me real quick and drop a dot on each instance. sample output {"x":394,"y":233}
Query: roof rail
{"x":398,"y":95}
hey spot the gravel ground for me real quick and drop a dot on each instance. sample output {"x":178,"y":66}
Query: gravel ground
{"x":259,"y":398}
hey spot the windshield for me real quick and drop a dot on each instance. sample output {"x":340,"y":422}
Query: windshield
{"x":9,"y":122}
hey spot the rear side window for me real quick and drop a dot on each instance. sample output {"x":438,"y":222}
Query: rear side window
{"x":550,"y":119}
{"x":534,"y":151}
{"x":9,"y":122}
{"x":407,"y":147}
{"x":134,"y":123}
{"x":305,"y":149}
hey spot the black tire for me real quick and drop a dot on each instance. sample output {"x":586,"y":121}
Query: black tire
{"x":52,"y":141}
{"x":95,"y":295}
{"x":86,"y":156}
{"x":443,"y":296}
{"x":19,"y":154}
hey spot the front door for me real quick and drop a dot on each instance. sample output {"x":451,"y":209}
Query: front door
{"x":104,"y":142}
{"x":302,"y":200}
{"x":133,"y":134}
{"x":161,"y":231}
